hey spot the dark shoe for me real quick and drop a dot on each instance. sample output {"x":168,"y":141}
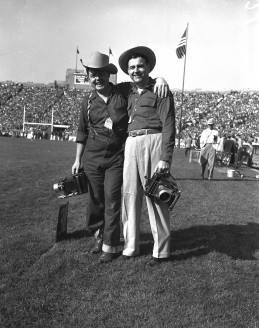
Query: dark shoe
{"x":202,"y":176}
{"x":126,"y":257}
{"x":97,"y":247}
{"x":155,"y":261}
{"x":107,"y":257}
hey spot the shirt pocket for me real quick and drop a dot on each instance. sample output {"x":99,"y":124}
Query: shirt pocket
{"x":148,"y":108}
{"x":149,"y":102}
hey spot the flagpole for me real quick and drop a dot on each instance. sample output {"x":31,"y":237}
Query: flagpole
{"x":76,"y":57}
{"x":181,"y":111}
{"x":110,"y":53}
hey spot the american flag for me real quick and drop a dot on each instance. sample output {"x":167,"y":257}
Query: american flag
{"x":181,"y":48}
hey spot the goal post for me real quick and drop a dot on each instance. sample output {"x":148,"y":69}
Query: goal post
{"x":62,"y":126}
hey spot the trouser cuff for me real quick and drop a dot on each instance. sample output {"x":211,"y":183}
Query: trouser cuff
{"x":110,"y":249}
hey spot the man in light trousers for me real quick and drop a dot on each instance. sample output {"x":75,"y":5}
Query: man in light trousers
{"x":149,"y":148}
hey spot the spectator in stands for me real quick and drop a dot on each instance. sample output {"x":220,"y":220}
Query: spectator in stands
{"x":239,"y":141}
{"x":39,"y":101}
{"x":208,"y":142}
{"x":251,"y":139}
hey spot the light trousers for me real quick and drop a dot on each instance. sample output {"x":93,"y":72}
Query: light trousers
{"x":208,"y":155}
{"x":142,"y":153}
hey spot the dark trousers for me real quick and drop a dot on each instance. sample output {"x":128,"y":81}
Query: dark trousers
{"x":105,"y":178}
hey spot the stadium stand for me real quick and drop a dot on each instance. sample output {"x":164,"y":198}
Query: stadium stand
{"x":235,"y":112}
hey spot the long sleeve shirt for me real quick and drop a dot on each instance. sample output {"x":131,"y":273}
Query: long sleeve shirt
{"x":103,"y":126}
{"x":148,"y":111}
{"x":95,"y":112}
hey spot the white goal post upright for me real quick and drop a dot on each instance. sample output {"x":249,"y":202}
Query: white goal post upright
{"x":38,"y":123}
{"x":52,"y":118}
{"x":32,"y":123}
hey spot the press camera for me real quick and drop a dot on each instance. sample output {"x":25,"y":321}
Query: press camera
{"x":163,"y":188}
{"x":75,"y":185}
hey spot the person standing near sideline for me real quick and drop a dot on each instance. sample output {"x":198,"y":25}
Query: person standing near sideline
{"x":230,"y":147}
{"x":221,"y":142}
{"x":250,"y":150}
{"x":208,"y":143}
{"x":188,"y":144}
{"x":149,"y":148}
{"x":101,"y":136}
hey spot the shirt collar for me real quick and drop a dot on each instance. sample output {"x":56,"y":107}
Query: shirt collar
{"x":149,"y":86}
{"x":94,"y":94}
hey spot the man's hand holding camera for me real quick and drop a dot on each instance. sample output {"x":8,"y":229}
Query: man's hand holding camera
{"x":162,"y":167}
{"x":80,"y":147}
{"x":76,"y":166}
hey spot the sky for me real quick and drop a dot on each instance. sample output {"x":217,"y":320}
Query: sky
{"x":39,"y":38}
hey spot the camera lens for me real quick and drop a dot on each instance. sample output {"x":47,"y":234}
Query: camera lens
{"x":57,"y":187}
{"x":164,"y":196}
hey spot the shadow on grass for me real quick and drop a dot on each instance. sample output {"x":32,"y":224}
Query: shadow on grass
{"x":220,"y":179}
{"x":78,"y":234}
{"x":236,"y":241}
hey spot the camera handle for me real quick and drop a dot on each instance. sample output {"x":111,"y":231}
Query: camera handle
{"x":162,"y":175}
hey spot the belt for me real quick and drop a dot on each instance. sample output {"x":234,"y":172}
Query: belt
{"x":136,"y":133}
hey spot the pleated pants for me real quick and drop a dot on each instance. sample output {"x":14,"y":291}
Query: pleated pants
{"x":142,"y":153}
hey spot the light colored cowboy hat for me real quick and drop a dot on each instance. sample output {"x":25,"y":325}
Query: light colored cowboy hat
{"x":146,"y":52}
{"x":100,"y":62}
{"x":211,"y":121}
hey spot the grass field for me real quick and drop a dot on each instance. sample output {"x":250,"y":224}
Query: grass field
{"x":211,"y":280}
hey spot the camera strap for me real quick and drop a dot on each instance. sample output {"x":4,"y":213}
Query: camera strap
{"x":91,"y":126}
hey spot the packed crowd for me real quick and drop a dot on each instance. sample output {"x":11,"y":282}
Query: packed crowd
{"x":234,"y":111}
{"x":38,"y":103}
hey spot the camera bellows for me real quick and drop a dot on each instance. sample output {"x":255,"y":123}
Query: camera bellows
{"x":75,"y":185}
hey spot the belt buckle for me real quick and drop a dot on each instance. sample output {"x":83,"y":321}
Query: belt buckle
{"x":133,"y":134}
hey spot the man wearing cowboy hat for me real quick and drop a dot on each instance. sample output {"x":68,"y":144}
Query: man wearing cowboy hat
{"x":101,"y":136}
{"x":209,"y":144}
{"x":149,"y":148}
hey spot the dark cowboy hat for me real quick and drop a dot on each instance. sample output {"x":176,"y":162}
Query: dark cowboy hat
{"x":146,"y":52}
{"x":100,"y":62}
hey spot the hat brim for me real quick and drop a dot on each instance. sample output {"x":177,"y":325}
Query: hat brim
{"x":111,"y":68}
{"x":146,"y":52}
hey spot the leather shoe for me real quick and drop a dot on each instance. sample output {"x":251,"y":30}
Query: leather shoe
{"x":97,"y":247}
{"x":156,"y":261}
{"x":127,"y":257}
{"x":107,"y":257}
